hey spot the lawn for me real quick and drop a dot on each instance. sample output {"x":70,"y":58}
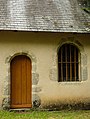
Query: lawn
{"x":83,"y":114}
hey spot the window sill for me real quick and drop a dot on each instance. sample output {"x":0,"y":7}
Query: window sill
{"x":70,"y":83}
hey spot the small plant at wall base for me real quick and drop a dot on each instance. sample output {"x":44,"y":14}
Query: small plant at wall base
{"x":87,"y":10}
{"x":85,"y":4}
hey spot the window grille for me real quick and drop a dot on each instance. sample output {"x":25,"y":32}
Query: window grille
{"x":68,"y":63}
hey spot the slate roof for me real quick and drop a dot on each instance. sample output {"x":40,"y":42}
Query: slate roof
{"x":43,"y":15}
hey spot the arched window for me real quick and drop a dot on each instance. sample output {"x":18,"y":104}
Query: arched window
{"x":68,"y":63}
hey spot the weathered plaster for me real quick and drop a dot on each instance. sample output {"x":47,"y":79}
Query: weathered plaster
{"x":68,"y":103}
{"x":42,"y":49}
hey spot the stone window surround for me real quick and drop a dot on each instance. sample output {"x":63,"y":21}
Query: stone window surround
{"x":35,"y":78}
{"x":83,"y":61}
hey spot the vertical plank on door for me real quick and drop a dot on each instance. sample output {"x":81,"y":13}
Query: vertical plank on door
{"x":16,"y":82}
{"x":29,"y":68}
{"x":24,"y":80}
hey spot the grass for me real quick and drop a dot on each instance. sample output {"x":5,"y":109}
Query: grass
{"x":81,"y":114}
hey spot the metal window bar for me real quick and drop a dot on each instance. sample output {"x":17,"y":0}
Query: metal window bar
{"x":61,"y":66}
{"x":75,"y":64}
{"x":70,"y":65}
{"x":66,"y":63}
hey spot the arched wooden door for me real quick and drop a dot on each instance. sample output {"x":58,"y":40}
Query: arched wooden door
{"x":21,"y":82}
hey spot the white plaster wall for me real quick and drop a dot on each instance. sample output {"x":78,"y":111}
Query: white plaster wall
{"x":43,"y":46}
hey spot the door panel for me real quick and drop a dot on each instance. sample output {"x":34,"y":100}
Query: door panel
{"x":21,"y":82}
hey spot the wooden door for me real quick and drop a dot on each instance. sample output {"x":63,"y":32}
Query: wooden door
{"x":21,"y":82}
